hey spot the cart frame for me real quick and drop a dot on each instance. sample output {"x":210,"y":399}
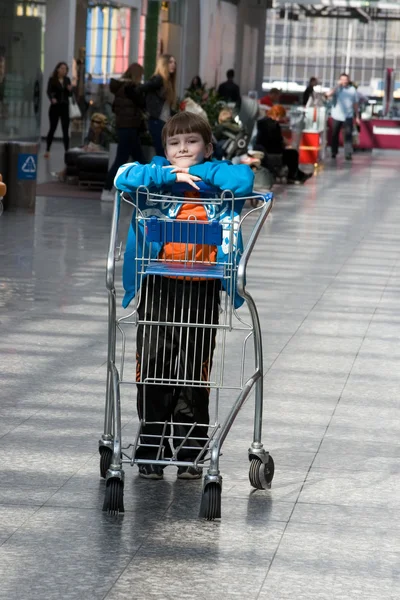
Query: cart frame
{"x":113,"y":455}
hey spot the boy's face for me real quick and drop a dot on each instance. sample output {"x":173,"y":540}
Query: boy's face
{"x":187,"y":149}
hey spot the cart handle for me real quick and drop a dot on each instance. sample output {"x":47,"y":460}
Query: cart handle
{"x":204,"y":188}
{"x":241,"y":273}
{"x":110,"y":268}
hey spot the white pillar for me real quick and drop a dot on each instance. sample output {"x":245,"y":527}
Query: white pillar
{"x":59,"y":45}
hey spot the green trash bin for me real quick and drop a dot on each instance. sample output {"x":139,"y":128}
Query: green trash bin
{"x":21,"y":176}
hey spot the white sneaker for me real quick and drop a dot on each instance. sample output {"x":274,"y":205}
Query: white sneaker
{"x":107,"y":195}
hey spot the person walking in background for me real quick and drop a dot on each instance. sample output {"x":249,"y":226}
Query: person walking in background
{"x":59,"y":90}
{"x":344,"y":111}
{"x":129,"y":118}
{"x":271,"y":98}
{"x":160,"y":94}
{"x":229,"y":90}
{"x":309,"y":91}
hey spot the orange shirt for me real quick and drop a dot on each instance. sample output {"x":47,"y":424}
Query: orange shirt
{"x":191,"y":252}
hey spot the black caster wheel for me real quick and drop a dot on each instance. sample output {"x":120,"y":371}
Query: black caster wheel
{"x":261,"y":474}
{"x":114,"y":498}
{"x":105,"y":460}
{"x":210,"y":507}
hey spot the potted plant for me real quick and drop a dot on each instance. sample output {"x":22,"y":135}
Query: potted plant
{"x":208,"y":100}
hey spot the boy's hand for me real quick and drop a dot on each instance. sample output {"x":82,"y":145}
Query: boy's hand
{"x":182,"y":177}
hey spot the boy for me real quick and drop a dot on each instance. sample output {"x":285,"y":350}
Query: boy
{"x":163,"y":350}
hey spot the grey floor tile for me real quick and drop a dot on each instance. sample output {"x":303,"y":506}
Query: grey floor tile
{"x":333,"y":561}
{"x":81,"y":554}
{"x":289,"y":579}
{"x":211,"y":552}
{"x":345,"y":516}
{"x":27,"y":491}
{"x":366,"y":488}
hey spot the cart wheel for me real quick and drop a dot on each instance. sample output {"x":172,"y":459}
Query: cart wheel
{"x":261,"y":474}
{"x":210,"y":507}
{"x":105,"y":460}
{"x":114,"y":498}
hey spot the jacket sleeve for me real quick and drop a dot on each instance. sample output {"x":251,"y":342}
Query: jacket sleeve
{"x":68,"y":82}
{"x":154,"y":84}
{"x":238,"y":179}
{"x":133,"y":175}
{"x":136,"y":94}
{"x":115,"y":85}
{"x":279,"y":129}
{"x":50,"y":91}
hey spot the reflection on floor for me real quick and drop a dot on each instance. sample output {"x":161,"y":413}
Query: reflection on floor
{"x":325,"y":275}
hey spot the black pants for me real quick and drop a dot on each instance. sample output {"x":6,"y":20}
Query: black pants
{"x":57,"y":112}
{"x":128,"y":145}
{"x":290,"y":158}
{"x":155,"y":129}
{"x":172,"y":352}
{"x":348,"y":136}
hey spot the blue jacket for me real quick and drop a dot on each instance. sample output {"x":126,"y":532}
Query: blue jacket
{"x":220,"y":175}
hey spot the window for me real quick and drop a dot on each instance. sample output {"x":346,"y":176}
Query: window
{"x":323,"y":47}
{"x":107,"y":42}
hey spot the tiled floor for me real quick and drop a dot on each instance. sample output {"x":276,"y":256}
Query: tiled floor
{"x":326,"y":277}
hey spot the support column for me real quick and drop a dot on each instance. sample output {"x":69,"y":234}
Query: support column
{"x":250,"y":45}
{"x":59,"y":45}
{"x":151,"y":42}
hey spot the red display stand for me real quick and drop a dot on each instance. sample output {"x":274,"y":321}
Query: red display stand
{"x":310,"y":147}
{"x":376,"y":133}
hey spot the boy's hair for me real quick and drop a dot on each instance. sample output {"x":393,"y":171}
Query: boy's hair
{"x":187,"y":122}
{"x":230,"y":74}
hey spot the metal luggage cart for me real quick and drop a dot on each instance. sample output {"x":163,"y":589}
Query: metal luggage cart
{"x":226,"y":271}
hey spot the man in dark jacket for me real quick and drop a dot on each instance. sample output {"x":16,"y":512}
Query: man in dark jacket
{"x":229,"y":90}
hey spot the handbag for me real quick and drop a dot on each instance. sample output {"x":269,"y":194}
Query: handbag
{"x":74,"y":110}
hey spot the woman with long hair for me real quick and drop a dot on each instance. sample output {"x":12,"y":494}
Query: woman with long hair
{"x":160,"y":93}
{"x":127,"y":107}
{"x":196,"y":84}
{"x":59,"y":89}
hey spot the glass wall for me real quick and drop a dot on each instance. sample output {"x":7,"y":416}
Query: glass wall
{"x":296,"y":50}
{"x":21,"y":52}
{"x":108,"y":42}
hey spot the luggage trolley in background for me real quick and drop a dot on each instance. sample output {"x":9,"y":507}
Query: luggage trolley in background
{"x":230,"y":270}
